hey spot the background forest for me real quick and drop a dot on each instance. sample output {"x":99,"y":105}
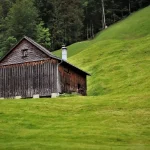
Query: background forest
{"x":53,"y":23}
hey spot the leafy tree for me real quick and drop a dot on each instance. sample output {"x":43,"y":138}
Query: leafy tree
{"x":7,"y":44}
{"x":45,"y":8}
{"x":22,"y":19}
{"x":6,"y":5}
{"x":64,"y":21}
{"x":10,"y":42}
{"x":43,"y":35}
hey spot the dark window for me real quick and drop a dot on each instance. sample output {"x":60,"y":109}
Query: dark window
{"x":24,"y":52}
{"x":79,"y":86}
{"x":66,"y":69}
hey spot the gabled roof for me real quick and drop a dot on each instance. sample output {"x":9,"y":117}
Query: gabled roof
{"x":45,"y":51}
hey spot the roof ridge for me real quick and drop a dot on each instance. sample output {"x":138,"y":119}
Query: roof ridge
{"x":32,"y":41}
{"x":44,"y":50}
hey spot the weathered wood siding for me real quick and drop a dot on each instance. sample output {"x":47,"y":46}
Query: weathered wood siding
{"x":16,"y":55}
{"x":28,"y":79}
{"x":72,"y":80}
{"x":36,"y":73}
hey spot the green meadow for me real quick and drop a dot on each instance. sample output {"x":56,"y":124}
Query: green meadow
{"x":116,"y":113}
{"x":76,"y":123}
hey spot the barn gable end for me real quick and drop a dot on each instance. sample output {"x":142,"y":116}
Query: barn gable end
{"x":23,"y":52}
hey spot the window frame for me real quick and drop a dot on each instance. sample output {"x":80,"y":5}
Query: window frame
{"x":24,"y":53}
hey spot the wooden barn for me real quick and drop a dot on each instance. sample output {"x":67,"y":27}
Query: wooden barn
{"x":29,"y":70}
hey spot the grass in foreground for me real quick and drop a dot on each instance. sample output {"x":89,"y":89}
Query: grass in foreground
{"x":76,"y":123}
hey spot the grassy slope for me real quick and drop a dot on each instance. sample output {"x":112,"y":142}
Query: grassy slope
{"x":79,"y":123}
{"x":74,"y":48}
{"x":118,"y":58}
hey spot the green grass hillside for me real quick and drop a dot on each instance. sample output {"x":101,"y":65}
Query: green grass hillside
{"x":76,"y":123}
{"x":118,"y":58}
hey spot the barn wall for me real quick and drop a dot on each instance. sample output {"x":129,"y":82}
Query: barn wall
{"x":72,"y":80}
{"x":16,"y":55}
{"x":28,"y":79}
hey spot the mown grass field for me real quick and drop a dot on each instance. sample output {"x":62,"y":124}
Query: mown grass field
{"x":76,"y":123}
{"x":116,"y":113}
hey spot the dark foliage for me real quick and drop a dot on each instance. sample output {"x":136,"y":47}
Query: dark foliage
{"x":63,"y":21}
